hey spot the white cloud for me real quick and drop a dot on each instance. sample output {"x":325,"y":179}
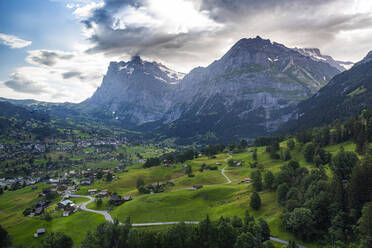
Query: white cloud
{"x":13,"y":41}
{"x":56,"y":76}
{"x":84,"y":9}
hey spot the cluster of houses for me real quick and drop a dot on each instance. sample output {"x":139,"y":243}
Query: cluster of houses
{"x":115,"y":199}
{"x":26,"y":181}
{"x":39,"y":207}
{"x":10,"y":151}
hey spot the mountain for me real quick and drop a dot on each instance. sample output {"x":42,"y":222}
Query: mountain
{"x":315,"y":54}
{"x":135,"y":92}
{"x":250,"y":91}
{"x":346,"y":95}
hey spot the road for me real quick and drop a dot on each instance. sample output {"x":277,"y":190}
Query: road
{"x":223,"y":170}
{"x":283,"y":242}
{"x":83,"y":206}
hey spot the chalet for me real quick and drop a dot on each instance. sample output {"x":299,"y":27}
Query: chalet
{"x":71,"y":188}
{"x":92,"y":191}
{"x":210,"y":167}
{"x":39,"y":210}
{"x":65,"y":203}
{"x":103,"y":194}
{"x":196,"y":187}
{"x":42,"y":204}
{"x":247,"y":180}
{"x":39,"y":232}
{"x":116,"y":200}
{"x":66,"y":213}
{"x":127,"y":198}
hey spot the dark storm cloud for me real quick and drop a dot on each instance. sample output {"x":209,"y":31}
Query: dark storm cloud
{"x":48,"y":58}
{"x":293,"y":22}
{"x":20,"y":84}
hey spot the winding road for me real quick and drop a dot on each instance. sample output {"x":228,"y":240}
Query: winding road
{"x":83,"y":206}
{"x":223,"y":170}
{"x":108,"y":217}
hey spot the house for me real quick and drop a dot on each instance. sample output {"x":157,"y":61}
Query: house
{"x":39,"y":232}
{"x":103,"y":194}
{"x":71,"y":188}
{"x":127,"y":198}
{"x":116,"y":200}
{"x":218,"y":163}
{"x":247,"y":180}
{"x":65,"y":203}
{"x":66,"y":213}
{"x":53,"y":181}
{"x":42,"y":204}
{"x":39,"y":210}
{"x":92,"y":191}
{"x":86,"y":182}
{"x":196,"y":187}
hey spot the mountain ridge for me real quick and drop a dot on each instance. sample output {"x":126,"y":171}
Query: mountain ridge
{"x":249,"y":91}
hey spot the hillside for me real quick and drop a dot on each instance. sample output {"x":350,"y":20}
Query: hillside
{"x":20,"y":123}
{"x":346,"y":95}
{"x":178,"y":202}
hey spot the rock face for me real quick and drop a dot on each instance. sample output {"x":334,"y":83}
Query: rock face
{"x":136,"y":91}
{"x":315,"y":54}
{"x":345,"y":96}
{"x":250,"y":91}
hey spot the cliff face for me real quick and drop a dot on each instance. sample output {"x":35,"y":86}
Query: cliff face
{"x":136,"y":91}
{"x":250,"y":91}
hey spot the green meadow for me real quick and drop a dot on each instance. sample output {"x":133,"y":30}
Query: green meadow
{"x":176,"y":203}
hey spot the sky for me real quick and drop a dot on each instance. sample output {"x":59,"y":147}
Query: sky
{"x":59,"y":50}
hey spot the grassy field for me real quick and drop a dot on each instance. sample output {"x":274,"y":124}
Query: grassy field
{"x":177,"y":203}
{"x":22,"y":228}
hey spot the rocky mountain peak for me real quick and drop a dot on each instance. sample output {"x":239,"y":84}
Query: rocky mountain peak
{"x":136,"y":60}
{"x":316,"y":55}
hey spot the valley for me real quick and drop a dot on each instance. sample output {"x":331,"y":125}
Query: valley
{"x":266,"y":146}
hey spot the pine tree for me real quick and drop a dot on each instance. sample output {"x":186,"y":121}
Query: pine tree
{"x":257,"y":180}
{"x":291,"y":144}
{"x":255,"y":202}
{"x":269,"y":180}
{"x":281,"y":193}
{"x":309,"y":151}
{"x":254,"y":154}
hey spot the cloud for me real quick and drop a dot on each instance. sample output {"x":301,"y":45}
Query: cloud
{"x":46,"y":57}
{"x":13,"y":41}
{"x":54,"y":75}
{"x":21,"y":84}
{"x":188,"y":33}
{"x":71,"y":74}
